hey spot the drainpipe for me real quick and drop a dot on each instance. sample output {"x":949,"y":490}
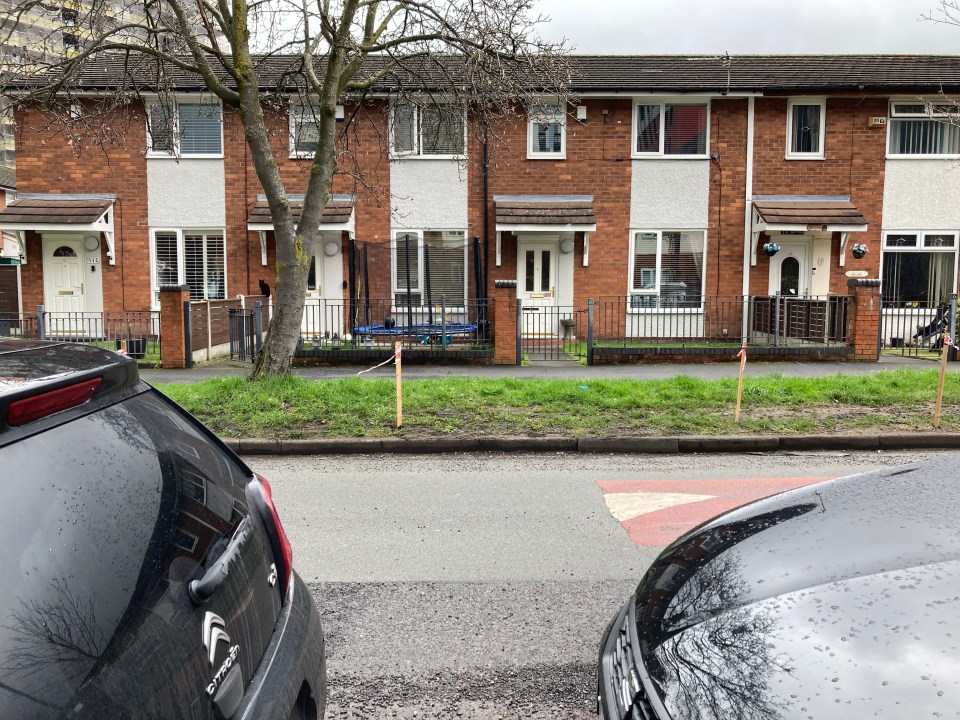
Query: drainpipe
{"x":747,"y":218}
{"x":486,"y":208}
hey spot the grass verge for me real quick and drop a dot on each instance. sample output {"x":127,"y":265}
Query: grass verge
{"x":293,"y":407}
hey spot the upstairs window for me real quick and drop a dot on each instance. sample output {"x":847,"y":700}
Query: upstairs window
{"x":666,"y":268}
{"x":430,"y":265}
{"x":922,"y":130}
{"x":185,"y":129}
{"x":431,"y":131}
{"x":670,"y":129}
{"x":805,"y":129}
{"x":303,"y":130}
{"x":547,"y":133}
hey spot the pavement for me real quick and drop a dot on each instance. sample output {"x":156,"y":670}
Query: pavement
{"x":562,"y":370}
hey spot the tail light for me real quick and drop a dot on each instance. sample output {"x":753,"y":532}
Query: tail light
{"x":280,"y":543}
{"x":28,"y":409}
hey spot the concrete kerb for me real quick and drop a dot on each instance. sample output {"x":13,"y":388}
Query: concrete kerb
{"x":629,"y":445}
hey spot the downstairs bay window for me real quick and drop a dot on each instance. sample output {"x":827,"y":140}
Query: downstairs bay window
{"x":918,"y":268}
{"x":666,"y":268}
{"x":429,"y":265}
{"x":188,"y":257}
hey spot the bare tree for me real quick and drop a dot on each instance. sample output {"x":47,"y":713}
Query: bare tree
{"x":484,"y":56}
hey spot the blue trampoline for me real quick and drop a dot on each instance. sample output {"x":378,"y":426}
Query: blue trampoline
{"x":426,"y":333}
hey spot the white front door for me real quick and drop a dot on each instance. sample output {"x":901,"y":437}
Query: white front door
{"x":537,"y":263}
{"x":323,"y":310}
{"x":790,"y":274}
{"x":63,"y":277}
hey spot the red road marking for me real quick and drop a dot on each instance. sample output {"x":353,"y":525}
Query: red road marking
{"x":661,"y":527}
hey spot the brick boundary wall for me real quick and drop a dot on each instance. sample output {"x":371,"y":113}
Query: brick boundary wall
{"x":173,"y":351}
{"x":864,"y":318}
{"x":504,"y":323}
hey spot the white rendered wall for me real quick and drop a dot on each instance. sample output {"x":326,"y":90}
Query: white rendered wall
{"x":186,"y":194}
{"x":670,"y":194}
{"x":921,"y":195}
{"x":428,"y":194}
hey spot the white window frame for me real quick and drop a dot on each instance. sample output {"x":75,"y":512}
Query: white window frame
{"x":295,"y":109}
{"x":663,"y":103}
{"x":654,"y":292}
{"x":930,"y":113}
{"x":421,"y":287}
{"x":181,"y":259}
{"x":795,"y":155}
{"x":922,"y":247}
{"x":175,"y":152}
{"x":552,"y":113}
{"x":417,"y":153}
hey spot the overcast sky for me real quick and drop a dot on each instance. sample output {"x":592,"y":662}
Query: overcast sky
{"x":748,"y":26}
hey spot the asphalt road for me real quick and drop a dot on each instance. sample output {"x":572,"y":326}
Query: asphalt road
{"x":478,"y":586}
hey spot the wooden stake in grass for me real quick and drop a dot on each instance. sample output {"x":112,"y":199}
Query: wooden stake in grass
{"x":743,"y":364}
{"x":397,"y":354}
{"x":944,"y":353}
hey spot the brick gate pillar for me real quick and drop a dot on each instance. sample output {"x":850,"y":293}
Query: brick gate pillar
{"x":505,"y":322}
{"x":864,"y":318}
{"x":174,"y":343}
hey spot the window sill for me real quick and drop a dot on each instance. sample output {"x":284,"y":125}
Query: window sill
{"x":923,"y":157}
{"x":394,"y":157}
{"x":546,"y":156}
{"x":669,"y":157}
{"x":672,"y":309}
{"x":811,"y":156}
{"x":168,"y":156}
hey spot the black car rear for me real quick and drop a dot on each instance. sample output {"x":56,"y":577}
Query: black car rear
{"x":145,"y":571}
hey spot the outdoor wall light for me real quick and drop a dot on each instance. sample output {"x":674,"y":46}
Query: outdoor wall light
{"x":91,"y":242}
{"x":331,"y":248}
{"x":566,"y":246}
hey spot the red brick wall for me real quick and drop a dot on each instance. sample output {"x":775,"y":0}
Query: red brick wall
{"x":728,"y":176}
{"x":597,"y":164}
{"x":853,"y":164}
{"x":364,"y":172}
{"x":47,"y":162}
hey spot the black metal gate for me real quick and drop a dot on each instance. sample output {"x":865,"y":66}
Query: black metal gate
{"x":551,"y":333}
{"x":245,"y":335}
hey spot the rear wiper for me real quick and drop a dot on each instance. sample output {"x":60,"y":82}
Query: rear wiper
{"x":203,"y":589}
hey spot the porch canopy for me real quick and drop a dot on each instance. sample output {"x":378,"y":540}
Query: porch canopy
{"x":546,"y":213}
{"x":337,"y":216}
{"x":60,"y":213}
{"x":825,"y":214}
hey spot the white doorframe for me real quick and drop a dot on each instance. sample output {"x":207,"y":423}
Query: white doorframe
{"x":538,"y":270}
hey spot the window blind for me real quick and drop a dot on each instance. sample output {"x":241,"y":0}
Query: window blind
{"x":447,"y":266}
{"x":685,"y":130}
{"x":200,"y":129}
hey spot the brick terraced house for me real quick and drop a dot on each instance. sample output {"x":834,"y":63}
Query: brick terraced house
{"x":696,"y":200}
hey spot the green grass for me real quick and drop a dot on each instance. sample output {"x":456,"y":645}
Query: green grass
{"x":292,"y":407}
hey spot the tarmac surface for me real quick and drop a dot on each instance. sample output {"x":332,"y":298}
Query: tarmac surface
{"x":574,"y":371}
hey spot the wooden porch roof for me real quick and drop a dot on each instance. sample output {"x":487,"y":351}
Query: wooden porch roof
{"x":549,"y":211}
{"x":809,"y":212}
{"x":337,"y":211}
{"x":40,"y":212}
